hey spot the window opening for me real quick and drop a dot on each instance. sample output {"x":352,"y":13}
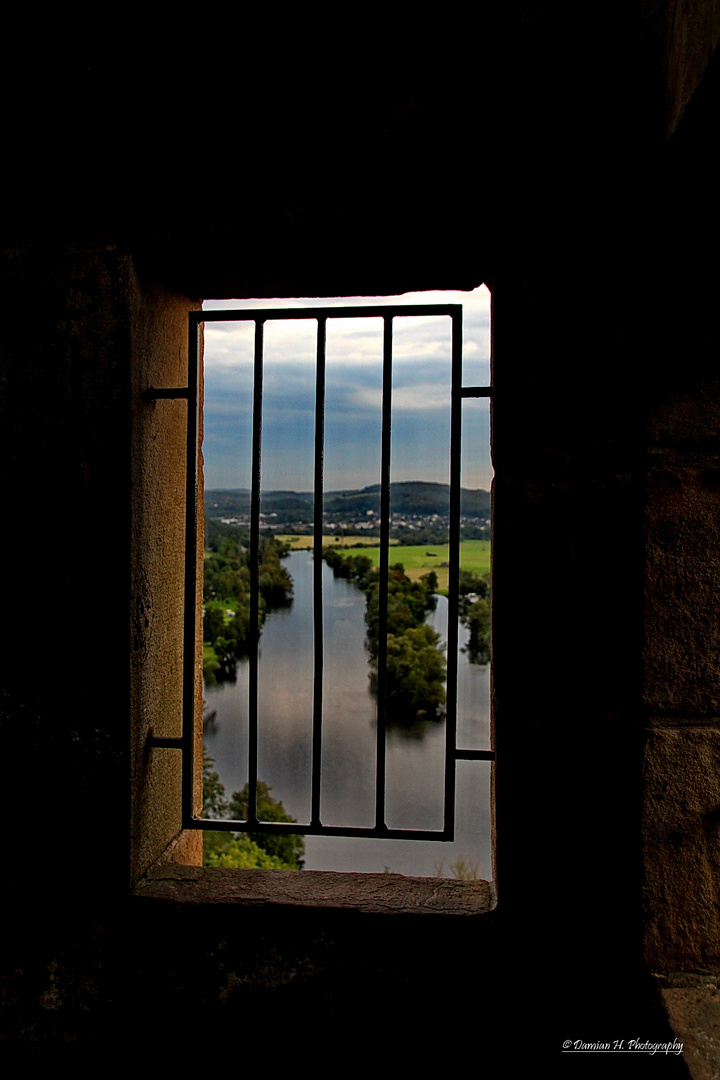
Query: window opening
{"x":265,"y":387}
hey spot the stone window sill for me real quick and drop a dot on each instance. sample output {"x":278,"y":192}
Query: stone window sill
{"x":387,"y":894}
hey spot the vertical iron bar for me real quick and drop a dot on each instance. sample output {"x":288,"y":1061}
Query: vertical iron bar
{"x":318,"y":568}
{"x":383,"y":571}
{"x":454,"y":574}
{"x":255,"y":573}
{"x":191,"y":555}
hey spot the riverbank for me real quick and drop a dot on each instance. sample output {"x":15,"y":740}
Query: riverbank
{"x":417,"y":559}
{"x":415,"y":758}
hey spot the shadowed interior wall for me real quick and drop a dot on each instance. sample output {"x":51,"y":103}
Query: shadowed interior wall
{"x":591,"y":212}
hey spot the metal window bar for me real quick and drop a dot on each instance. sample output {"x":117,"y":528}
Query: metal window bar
{"x":453,"y":753}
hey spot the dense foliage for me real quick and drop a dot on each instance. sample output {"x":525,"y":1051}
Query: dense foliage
{"x":243,"y":851}
{"x":226,"y":595}
{"x":437,"y":533}
{"x":415,"y":681}
{"x":474,"y":607}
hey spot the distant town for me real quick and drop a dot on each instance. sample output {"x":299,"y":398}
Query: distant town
{"x":417,"y":509}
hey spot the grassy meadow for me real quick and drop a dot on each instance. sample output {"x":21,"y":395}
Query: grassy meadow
{"x":417,"y":559}
{"x":301,"y":543}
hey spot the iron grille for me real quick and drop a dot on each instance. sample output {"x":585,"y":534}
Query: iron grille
{"x":185,"y":744}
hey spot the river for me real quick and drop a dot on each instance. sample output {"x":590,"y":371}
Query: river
{"x":415,"y":757}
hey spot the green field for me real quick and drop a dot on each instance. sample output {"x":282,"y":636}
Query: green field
{"x":417,"y":559}
{"x":301,"y":543}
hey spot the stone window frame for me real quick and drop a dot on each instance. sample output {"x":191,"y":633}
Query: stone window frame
{"x":162,"y":851}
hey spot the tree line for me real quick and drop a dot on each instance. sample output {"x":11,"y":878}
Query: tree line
{"x":415,"y":672}
{"x":240,"y":850}
{"x":226,"y":594}
{"x":416,"y":669}
{"x":474,"y":611}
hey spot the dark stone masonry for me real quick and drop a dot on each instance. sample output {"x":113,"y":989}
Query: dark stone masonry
{"x":569,"y":162}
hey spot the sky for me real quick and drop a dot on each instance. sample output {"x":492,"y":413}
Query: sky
{"x":420,"y":399}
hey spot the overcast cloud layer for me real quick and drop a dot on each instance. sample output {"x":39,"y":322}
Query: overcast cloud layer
{"x":421,"y":397}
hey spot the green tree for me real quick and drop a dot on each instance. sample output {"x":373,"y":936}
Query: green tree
{"x":415,"y":674}
{"x":430,"y":580}
{"x":226,"y":594}
{"x":240,"y":850}
{"x":213,"y":623}
{"x":470,"y":582}
{"x":478,"y":622}
{"x":214,"y":801}
{"x":241,"y":853}
{"x":288,"y":847}
{"x":415,"y":683}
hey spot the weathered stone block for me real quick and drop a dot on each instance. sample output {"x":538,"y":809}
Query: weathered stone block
{"x":681,"y":833}
{"x":682,"y":580}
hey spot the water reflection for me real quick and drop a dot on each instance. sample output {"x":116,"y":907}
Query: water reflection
{"x":415,"y":757}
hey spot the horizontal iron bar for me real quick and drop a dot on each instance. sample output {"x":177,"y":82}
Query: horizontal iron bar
{"x":321,"y":830}
{"x":169,"y":392}
{"x":474,"y":755}
{"x":377,"y":312}
{"x":476,"y":391}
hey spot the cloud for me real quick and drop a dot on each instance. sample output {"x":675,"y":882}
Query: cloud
{"x":357,"y":340}
{"x":418,"y":398}
{"x":421,"y":375}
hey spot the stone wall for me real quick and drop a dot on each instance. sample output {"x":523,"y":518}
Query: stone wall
{"x":590,"y":210}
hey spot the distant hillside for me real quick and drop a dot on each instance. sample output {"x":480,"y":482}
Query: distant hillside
{"x":233,"y":503}
{"x":410,"y":497}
